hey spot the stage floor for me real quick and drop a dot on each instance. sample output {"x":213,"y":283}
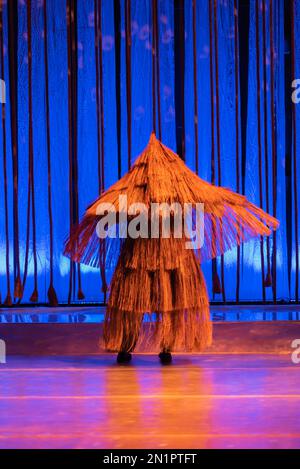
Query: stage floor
{"x":86,"y":314}
{"x":201,"y":401}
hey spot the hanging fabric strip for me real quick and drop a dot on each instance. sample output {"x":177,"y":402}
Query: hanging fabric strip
{"x":179,"y":50}
{"x":258,"y":100}
{"x":294,"y":129}
{"x":72,"y":112}
{"x":12,"y":11}
{"x":237,"y":129}
{"x":268,"y":279}
{"x":218,"y":134}
{"x":274,"y":148}
{"x":244,"y":31}
{"x":80,"y":294}
{"x":27,"y":228}
{"x":98,"y":111}
{"x":217,"y":93}
{"x":117,"y":26}
{"x":153,"y":70}
{"x":128,"y":75}
{"x":100,"y":49}
{"x":195,"y":86}
{"x":34,"y":296}
{"x":156,"y":111}
{"x":157,"y":77}
{"x":97,"y":23}
{"x":8,"y":299}
{"x":30,"y":147}
{"x":101,"y":181}
{"x":52,"y":297}
{"x":216,"y":281}
{"x":212,"y":110}
{"x":70,"y":140}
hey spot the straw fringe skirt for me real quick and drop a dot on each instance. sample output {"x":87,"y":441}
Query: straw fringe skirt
{"x":163,"y":308}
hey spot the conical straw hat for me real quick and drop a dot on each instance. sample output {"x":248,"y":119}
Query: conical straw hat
{"x":160,"y":176}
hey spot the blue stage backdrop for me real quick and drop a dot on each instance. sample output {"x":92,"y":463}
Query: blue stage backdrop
{"x":79,"y":83}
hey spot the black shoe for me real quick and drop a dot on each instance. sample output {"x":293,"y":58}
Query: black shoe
{"x":165,"y":358}
{"x":124,"y":357}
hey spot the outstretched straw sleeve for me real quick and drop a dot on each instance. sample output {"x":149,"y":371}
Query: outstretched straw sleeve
{"x":160,"y":176}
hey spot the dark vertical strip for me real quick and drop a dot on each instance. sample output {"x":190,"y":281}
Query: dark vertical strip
{"x":274,"y":148}
{"x":101,"y":184}
{"x":117,"y":27}
{"x":268,"y":279}
{"x":80,"y":295}
{"x":101,"y":95}
{"x":8,"y":299}
{"x":244,"y":22}
{"x":12,"y":11}
{"x":218,"y":134}
{"x":212,"y":109}
{"x":195,"y":86}
{"x":288,"y":108}
{"x":179,"y":50}
{"x":155,"y":6}
{"x":258,"y":101}
{"x":100,"y":125}
{"x":243,"y":48}
{"x":216,"y":281}
{"x":52,"y":298}
{"x":34,"y":296}
{"x":156,"y":110}
{"x":73,"y":153}
{"x":128,"y":76}
{"x":27,"y":228}
{"x":237,"y":133}
{"x":98,"y":111}
{"x":70,"y":111}
{"x":294,"y":126}
{"x":153,"y":69}
{"x":2,"y":92}
{"x":97,"y":22}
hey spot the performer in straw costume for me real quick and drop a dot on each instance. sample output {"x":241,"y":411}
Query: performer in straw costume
{"x":158,"y":298}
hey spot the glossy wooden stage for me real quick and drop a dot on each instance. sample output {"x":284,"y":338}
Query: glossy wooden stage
{"x":208,"y":401}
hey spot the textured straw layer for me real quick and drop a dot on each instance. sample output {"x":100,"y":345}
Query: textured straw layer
{"x":171,"y":295}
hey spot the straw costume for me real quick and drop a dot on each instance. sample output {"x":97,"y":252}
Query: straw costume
{"x":158,"y":297}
